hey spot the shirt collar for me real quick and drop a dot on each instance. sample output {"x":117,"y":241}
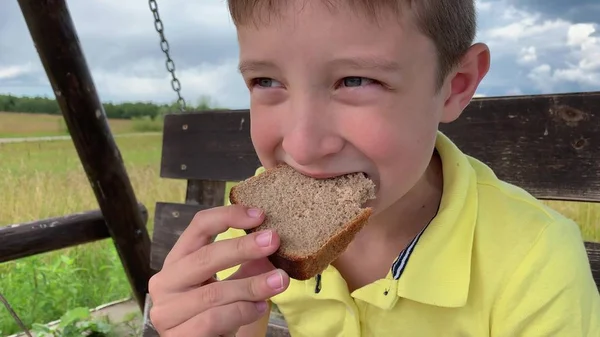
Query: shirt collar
{"x":439,"y":270}
{"x":437,"y":263}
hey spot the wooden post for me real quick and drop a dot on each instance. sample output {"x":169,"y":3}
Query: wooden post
{"x":53,"y":33}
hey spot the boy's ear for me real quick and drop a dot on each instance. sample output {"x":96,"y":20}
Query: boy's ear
{"x":465,"y":80}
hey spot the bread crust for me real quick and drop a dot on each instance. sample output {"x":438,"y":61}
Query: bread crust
{"x":306,"y":267}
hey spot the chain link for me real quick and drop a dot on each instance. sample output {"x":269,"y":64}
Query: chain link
{"x":164,"y":46}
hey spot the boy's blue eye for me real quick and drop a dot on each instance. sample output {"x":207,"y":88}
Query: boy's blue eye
{"x":355,"y":81}
{"x":265,"y":82}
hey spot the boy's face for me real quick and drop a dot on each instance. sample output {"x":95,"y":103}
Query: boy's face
{"x":334,"y":92}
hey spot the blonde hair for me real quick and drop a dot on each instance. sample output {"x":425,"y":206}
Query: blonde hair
{"x":450,"y":24}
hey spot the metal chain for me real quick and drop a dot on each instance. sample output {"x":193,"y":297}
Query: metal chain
{"x":164,"y":45}
{"x":17,"y":319}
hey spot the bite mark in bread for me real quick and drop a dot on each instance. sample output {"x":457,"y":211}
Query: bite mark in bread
{"x":316,"y":219}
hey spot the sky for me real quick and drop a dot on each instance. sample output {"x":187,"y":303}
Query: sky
{"x":537,"y":47}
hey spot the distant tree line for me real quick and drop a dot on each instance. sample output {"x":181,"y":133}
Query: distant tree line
{"x":128,"y":110}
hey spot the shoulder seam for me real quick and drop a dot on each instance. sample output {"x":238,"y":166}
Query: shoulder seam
{"x":516,"y":268}
{"x":520,"y":199}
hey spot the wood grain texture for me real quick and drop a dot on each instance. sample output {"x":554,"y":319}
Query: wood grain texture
{"x":170,"y":220}
{"x":211,"y":145}
{"x":547,"y":144}
{"x":593,"y":252}
{"x":55,"y":38}
{"x":36,"y":237}
{"x":210,"y":193}
{"x":277,"y":326}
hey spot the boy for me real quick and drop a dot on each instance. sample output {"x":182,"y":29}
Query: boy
{"x":361,"y":86}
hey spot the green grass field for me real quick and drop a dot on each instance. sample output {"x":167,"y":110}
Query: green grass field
{"x":45,"y":179}
{"x":42,"y":125}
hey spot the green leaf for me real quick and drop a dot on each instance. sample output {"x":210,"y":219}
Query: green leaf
{"x":37,"y":327}
{"x":73,"y":316}
{"x":66,"y":259}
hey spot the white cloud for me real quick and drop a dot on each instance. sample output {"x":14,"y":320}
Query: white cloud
{"x":541,"y":76}
{"x":14,"y":71}
{"x":483,"y":6}
{"x":581,"y":66}
{"x":528,"y":26}
{"x":530,"y":53}
{"x":542,"y":55}
{"x":527,"y":55}
{"x":221,"y":82}
{"x":586,"y":45}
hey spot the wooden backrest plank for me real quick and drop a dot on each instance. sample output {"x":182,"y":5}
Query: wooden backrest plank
{"x":212,"y":145}
{"x":547,"y":144}
{"x":593,"y":252}
{"x":170,"y":220}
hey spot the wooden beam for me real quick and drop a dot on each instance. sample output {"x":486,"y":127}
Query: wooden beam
{"x":547,"y":144}
{"x":31,"y":238}
{"x":55,"y":38}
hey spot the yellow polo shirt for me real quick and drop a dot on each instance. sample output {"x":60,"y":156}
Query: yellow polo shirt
{"x":493,"y":262}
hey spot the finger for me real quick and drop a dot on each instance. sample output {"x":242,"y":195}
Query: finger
{"x":255,"y":289}
{"x":221,"y":320}
{"x":195,"y":268}
{"x":252,"y":268}
{"x":210,"y":222}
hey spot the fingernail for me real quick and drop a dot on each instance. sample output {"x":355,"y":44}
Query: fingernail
{"x":275,"y":280}
{"x":254,"y":212}
{"x":261,"y":306}
{"x":264,"y":239}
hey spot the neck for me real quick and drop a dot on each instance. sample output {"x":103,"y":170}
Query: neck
{"x":409,"y":215}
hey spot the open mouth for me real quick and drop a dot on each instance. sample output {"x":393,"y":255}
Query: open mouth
{"x":373,"y":179}
{"x":316,"y":175}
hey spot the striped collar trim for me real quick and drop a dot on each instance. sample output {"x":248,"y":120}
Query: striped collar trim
{"x":397,"y":267}
{"x":402,"y":260}
{"x":440,"y":269}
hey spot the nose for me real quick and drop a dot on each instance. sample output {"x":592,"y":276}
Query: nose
{"x":310,"y":138}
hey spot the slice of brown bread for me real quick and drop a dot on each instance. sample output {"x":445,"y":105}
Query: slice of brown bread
{"x":316,"y":219}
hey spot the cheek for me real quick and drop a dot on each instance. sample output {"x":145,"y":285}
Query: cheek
{"x":265,"y":134}
{"x":393,"y":138}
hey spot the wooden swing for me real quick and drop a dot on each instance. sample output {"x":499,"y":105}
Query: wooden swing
{"x":547,"y":144}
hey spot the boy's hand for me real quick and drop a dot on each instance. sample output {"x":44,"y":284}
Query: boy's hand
{"x":189,"y":301}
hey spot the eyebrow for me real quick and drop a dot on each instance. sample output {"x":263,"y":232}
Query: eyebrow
{"x":251,"y":65}
{"x":372,"y":63}
{"x":357,"y":63}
